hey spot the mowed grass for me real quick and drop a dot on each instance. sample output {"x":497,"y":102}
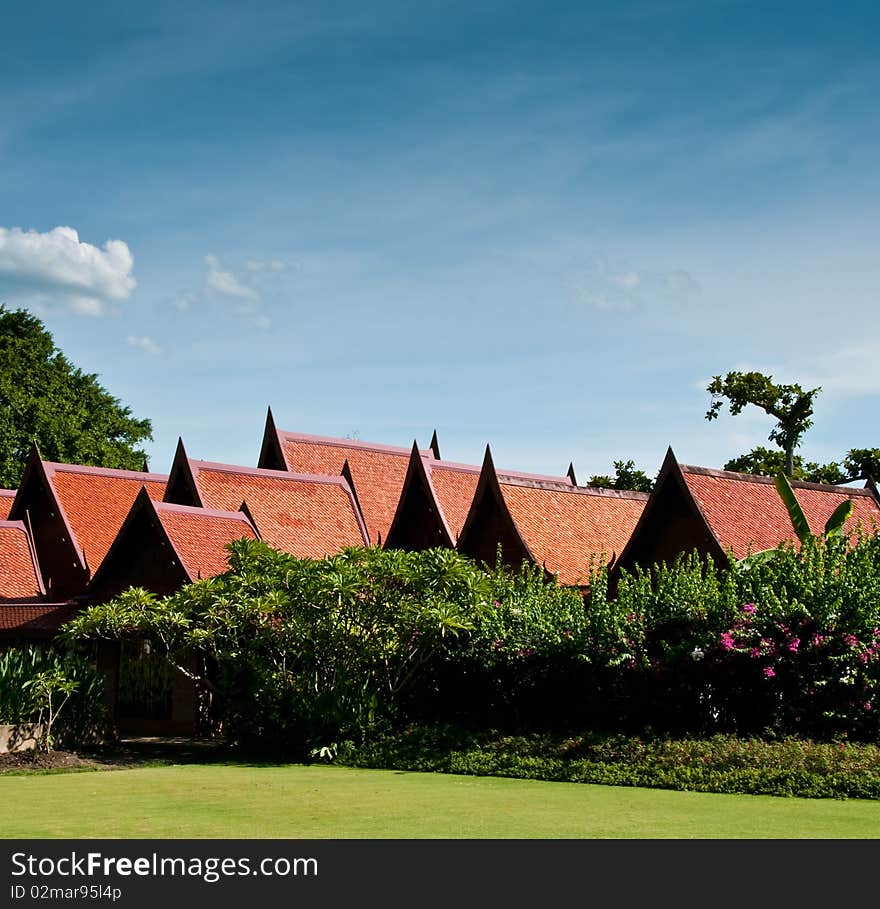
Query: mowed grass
{"x":319,"y":802}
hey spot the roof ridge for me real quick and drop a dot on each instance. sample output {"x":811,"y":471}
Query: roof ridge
{"x":92,"y":470}
{"x":770,"y":481}
{"x":350,"y":443}
{"x":197,"y":510}
{"x":268,"y":473}
{"x":438,"y":464}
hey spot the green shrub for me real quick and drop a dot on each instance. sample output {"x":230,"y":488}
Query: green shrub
{"x":790,"y":767}
{"x":26,"y":676}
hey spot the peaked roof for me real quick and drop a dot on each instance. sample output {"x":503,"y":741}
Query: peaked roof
{"x":560,"y":526}
{"x":718,"y":511}
{"x":19,"y":575}
{"x":450,"y":488}
{"x":7,"y":497}
{"x":92,"y":502}
{"x":745,"y":512}
{"x":200,"y":536}
{"x":377,"y":471}
{"x":309,"y":516}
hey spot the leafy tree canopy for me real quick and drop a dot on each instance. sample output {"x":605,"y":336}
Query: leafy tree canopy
{"x":791,"y":405}
{"x":45,"y":399}
{"x":625,"y":477}
{"x":858,"y":464}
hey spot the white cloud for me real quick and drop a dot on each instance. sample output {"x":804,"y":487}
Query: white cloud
{"x":608,"y":286}
{"x":225,"y":282}
{"x":57,"y":269}
{"x":145,"y":343}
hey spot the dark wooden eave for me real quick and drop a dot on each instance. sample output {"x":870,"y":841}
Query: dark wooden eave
{"x":419,"y":522}
{"x":670,"y":483}
{"x":488,"y":500}
{"x":182,"y":488}
{"x":271,"y":451}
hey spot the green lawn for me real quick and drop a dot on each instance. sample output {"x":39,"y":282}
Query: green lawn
{"x":303,"y":802}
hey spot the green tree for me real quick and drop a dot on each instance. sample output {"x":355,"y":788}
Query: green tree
{"x":45,"y":399}
{"x":858,"y":464}
{"x":625,"y":477}
{"x":789,"y":404}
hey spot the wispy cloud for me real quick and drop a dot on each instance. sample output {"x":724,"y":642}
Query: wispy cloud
{"x":607,"y":286}
{"x":226,"y":283}
{"x":56,"y":269}
{"x":145,"y":343}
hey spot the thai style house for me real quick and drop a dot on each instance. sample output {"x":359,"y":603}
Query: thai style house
{"x":374,"y":472}
{"x":305,"y":515}
{"x":73,"y":514}
{"x":721,"y":514}
{"x":161,"y":547}
{"x":550,"y":522}
{"x":436,"y":498}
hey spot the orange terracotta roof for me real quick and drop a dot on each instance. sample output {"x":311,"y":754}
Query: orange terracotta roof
{"x":746,"y":513}
{"x":95,"y":502}
{"x":7,"y":497}
{"x":200,"y":536}
{"x":305,"y":516}
{"x":565,"y":527}
{"x":455,"y":485}
{"x":378,"y":471}
{"x":19,"y":579}
{"x":43,"y":617}
{"x":454,"y":488}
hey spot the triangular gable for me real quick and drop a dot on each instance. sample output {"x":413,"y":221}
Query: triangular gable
{"x":547,"y":521}
{"x":436,"y":500}
{"x":569,"y":529}
{"x":271,"y":450}
{"x":74,"y":512}
{"x":36,"y":504}
{"x":182,"y":488}
{"x":489,"y":526}
{"x":162,"y":547}
{"x":746,"y":513}
{"x":714,"y":511}
{"x":671,"y":523}
{"x":419,"y":521}
{"x":7,"y":497}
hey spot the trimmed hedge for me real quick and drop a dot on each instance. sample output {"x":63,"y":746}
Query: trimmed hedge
{"x":788,"y":767}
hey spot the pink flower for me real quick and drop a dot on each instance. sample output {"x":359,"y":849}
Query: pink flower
{"x":755,"y":652}
{"x":496,"y":604}
{"x":850,"y":640}
{"x":817,"y":639}
{"x":769,"y":672}
{"x":868,"y":705}
{"x":727,"y":641}
{"x":750,"y":608}
{"x":863,"y":658}
{"x":793,"y":644}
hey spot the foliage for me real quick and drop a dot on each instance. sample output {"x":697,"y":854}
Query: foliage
{"x":858,"y":464}
{"x":788,"y":767}
{"x":626,"y":476}
{"x":66,"y":412}
{"x":789,"y":646}
{"x":790,"y":405}
{"x":37,"y":684}
{"x":861,"y":463}
{"x":301,"y":652}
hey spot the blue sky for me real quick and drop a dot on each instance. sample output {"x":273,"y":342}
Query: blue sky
{"x":540,"y":225}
